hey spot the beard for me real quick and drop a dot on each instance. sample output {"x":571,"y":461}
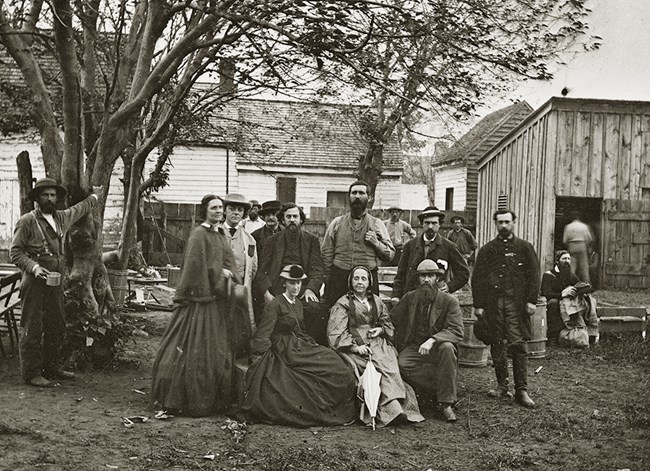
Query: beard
{"x":505,"y":232}
{"x":427,"y":293}
{"x":430,"y":233}
{"x":358,"y":206}
{"x":292,"y":231}
{"x":47,"y":207}
{"x":566,"y":271}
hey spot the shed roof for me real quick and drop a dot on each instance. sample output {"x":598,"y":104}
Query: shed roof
{"x":595,"y":105}
{"x":487,"y":132}
{"x":291,"y":133}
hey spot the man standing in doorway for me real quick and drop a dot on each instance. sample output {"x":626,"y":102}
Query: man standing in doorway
{"x":463,"y":239}
{"x":433,"y":246}
{"x":505,"y":287}
{"x":400,"y":232}
{"x":577,"y":238}
{"x":38,"y":250}
{"x":356,"y":238}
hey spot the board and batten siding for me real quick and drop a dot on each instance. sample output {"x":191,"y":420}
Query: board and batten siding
{"x":568,"y":148}
{"x":451,"y":177}
{"x":195,"y":172}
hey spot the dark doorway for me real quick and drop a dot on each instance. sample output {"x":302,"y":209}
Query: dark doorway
{"x":590,"y":211}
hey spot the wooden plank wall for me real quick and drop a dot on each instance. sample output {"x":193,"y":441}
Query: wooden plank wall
{"x":627,"y":243}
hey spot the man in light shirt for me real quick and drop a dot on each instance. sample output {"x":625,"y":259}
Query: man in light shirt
{"x":577,"y":238}
{"x":400,"y":232}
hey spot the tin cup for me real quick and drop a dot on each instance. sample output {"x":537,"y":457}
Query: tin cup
{"x":53,"y":279}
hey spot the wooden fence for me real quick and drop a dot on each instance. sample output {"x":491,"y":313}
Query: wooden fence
{"x":168,"y":225}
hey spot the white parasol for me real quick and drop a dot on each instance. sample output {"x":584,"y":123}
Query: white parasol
{"x":371,"y":390}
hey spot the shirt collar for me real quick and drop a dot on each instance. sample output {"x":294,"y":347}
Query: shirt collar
{"x":288,"y":300}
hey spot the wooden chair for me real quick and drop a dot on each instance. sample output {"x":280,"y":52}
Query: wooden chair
{"x":9,"y":304}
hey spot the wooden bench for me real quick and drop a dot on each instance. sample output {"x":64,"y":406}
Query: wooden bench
{"x":622,"y":319}
{"x":9,"y":304}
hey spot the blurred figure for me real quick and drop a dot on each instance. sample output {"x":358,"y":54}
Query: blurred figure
{"x":400,"y":232}
{"x":463,"y":238}
{"x":577,"y":239}
{"x":253,"y":221}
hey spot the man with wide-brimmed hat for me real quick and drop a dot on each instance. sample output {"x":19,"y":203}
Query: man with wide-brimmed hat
{"x":269,"y":213}
{"x":428,"y":328}
{"x":463,"y":238}
{"x":400,"y":232}
{"x":243,"y":245}
{"x":38,"y":250}
{"x":253,"y":221}
{"x":430,"y":245}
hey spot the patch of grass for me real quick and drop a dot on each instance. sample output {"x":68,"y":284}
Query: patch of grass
{"x":627,"y":348}
{"x":320,"y":459}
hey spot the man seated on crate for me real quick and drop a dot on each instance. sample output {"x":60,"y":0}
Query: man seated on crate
{"x":566,"y":298}
{"x":38,"y":250}
{"x":428,"y":328}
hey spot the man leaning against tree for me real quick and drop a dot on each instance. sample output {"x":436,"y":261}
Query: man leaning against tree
{"x":38,"y":250}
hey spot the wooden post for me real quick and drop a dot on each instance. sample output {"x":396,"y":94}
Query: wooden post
{"x":25,"y":181}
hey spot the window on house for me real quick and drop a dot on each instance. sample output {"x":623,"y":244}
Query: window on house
{"x":502,"y":202}
{"x":285,"y":188}
{"x":337,"y":199}
{"x":645,"y":193}
{"x":449,"y":199}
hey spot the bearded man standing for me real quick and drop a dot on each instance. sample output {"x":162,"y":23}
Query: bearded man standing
{"x":294,"y":246}
{"x":505,"y":287}
{"x":38,"y":250}
{"x":356,"y":238}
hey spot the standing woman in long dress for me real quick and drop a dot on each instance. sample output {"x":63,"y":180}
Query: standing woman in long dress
{"x":359,"y":325}
{"x":293,"y":380}
{"x":193,"y":370}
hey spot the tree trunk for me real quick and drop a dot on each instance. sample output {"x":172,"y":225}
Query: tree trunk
{"x":25,"y":182}
{"x":370,"y":168}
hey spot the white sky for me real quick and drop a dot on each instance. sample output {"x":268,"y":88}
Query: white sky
{"x":619,"y":70}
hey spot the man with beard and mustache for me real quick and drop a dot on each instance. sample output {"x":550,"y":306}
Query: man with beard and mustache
{"x":428,"y":328}
{"x":432,"y":246}
{"x":505,"y":287}
{"x":38,"y":250}
{"x":253,"y":221}
{"x":294,"y":246}
{"x":356,"y":238}
{"x":558,"y":283}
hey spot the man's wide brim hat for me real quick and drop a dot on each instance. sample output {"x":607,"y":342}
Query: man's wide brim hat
{"x":236,"y":199}
{"x":255,"y":203}
{"x":460,"y":218}
{"x":46,"y":183}
{"x":293,"y":272}
{"x":430,"y":211}
{"x":395,"y":208}
{"x":428,"y":266}
{"x":269,"y":207}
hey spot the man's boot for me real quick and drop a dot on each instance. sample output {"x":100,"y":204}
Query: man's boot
{"x":447,"y":412}
{"x":522,"y":398}
{"x":520,"y":373}
{"x":40,"y":382}
{"x":500,"y":360}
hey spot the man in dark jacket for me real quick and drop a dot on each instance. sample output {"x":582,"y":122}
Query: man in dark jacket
{"x":38,"y":250}
{"x":433,"y":246}
{"x":428,"y":328}
{"x":293,"y":246}
{"x":269,"y":213}
{"x":505,"y":287}
{"x":557,"y":283}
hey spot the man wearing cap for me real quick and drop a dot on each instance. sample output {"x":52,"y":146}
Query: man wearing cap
{"x":253,"y":221}
{"x":294,"y":246}
{"x":428,"y":328}
{"x":505,"y":287}
{"x":356,"y":238}
{"x":243,"y":244}
{"x":269,"y":213}
{"x":38,"y":250}
{"x":433,"y":246}
{"x":400,"y":232}
{"x":463,"y":238}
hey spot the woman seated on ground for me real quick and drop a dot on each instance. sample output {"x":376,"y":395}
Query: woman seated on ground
{"x":293,"y":380}
{"x":360,"y":328}
{"x":192,"y":373}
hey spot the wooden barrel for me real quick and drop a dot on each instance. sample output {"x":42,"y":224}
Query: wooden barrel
{"x":173,"y":276}
{"x":119,"y":286}
{"x":537,"y":342}
{"x":471,"y":351}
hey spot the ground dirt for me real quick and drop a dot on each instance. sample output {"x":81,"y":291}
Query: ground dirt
{"x":593,"y":414}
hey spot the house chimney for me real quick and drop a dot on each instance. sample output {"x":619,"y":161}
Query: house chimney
{"x":227,"y":76}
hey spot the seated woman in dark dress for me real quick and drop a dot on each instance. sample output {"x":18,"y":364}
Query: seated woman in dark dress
{"x":293,"y":380}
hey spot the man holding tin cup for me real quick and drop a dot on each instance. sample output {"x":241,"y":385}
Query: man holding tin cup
{"x":38,"y":250}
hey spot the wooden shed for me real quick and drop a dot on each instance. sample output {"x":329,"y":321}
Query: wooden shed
{"x":576,"y":154}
